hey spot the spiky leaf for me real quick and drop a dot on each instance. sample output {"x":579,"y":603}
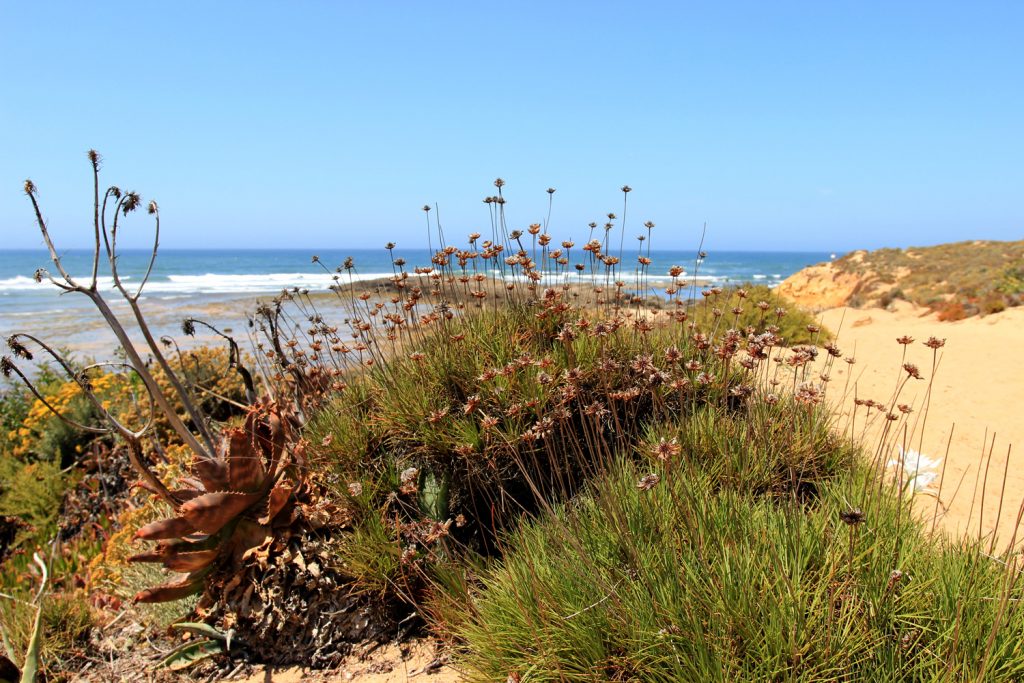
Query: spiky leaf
{"x":245,"y":464}
{"x":190,"y":653}
{"x":279,"y":497}
{"x":165,"y":549}
{"x":171,"y":591}
{"x":190,"y":562}
{"x":201,"y":629}
{"x":31,"y":668}
{"x":434,"y":496}
{"x":211,"y":511}
{"x":212,"y":473}
{"x":176,"y":527}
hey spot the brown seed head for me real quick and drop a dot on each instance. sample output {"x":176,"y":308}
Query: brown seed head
{"x":648,"y":482}
{"x":19,"y":349}
{"x":664,"y":450}
{"x":912,"y":370}
{"x":852,"y":517}
{"x":131,"y":202}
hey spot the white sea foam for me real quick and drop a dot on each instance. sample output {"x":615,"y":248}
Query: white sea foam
{"x":21,"y":283}
{"x":209,"y":283}
{"x":18,"y":283}
{"x":257,"y":283}
{"x":218,"y":283}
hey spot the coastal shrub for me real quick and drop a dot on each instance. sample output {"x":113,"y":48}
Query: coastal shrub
{"x":32,"y":492}
{"x":795,"y":325}
{"x":977,"y":275}
{"x":993,"y":303}
{"x":952,"y":311}
{"x":504,"y":408}
{"x":46,"y":437}
{"x":1011,"y":282}
{"x":44,"y":432}
{"x":886,"y":299}
{"x":661,"y":573}
{"x":14,"y":405}
{"x":572,"y":485}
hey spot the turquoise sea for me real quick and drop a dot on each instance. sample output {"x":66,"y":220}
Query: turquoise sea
{"x":222,"y":284}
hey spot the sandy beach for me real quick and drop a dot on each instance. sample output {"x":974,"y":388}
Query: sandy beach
{"x":976,"y":394}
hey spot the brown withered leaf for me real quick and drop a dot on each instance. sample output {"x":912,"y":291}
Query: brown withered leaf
{"x":212,"y":473}
{"x":211,"y":511}
{"x":185,"y":495}
{"x":273,"y":446}
{"x":175,"y":527}
{"x":279,"y":497}
{"x":190,"y":561}
{"x":171,"y":591}
{"x":157,"y":555}
{"x":165,"y":549}
{"x":259,"y":553}
{"x":248,"y":535}
{"x":245,"y":464}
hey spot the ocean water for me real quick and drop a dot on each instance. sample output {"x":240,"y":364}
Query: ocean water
{"x":220,"y":284}
{"x":181,"y":274}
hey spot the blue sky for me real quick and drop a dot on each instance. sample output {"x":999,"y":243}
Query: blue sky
{"x":784,"y":125}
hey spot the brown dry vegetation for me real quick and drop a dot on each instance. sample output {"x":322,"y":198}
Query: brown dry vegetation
{"x":954,"y":280}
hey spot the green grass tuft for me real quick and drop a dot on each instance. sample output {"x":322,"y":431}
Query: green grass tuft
{"x":693,"y":581}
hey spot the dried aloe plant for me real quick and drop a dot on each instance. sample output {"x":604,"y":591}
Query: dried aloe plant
{"x":239,"y":488}
{"x":245,"y":501}
{"x":232,"y":505}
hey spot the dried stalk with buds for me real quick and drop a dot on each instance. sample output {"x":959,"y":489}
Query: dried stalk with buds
{"x":245,"y":479}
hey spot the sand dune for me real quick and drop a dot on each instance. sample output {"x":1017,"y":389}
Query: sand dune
{"x":977,"y":393}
